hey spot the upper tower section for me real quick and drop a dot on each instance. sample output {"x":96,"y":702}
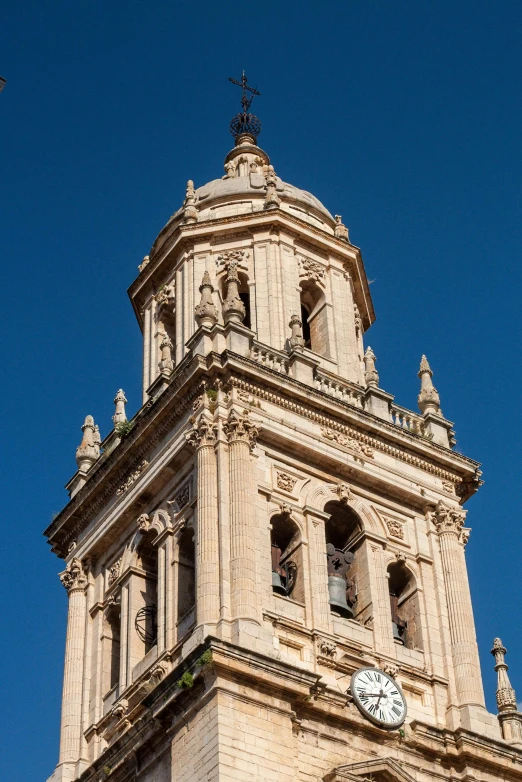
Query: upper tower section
{"x":298,"y":274}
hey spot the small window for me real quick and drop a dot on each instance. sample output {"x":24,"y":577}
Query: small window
{"x":186,"y":574}
{"x":287,"y":576}
{"x":145,"y":621}
{"x":342,"y":531}
{"x":404,"y":606}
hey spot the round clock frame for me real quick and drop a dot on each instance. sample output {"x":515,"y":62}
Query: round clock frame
{"x":382,"y":723}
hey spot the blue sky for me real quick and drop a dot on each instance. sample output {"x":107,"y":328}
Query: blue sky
{"x":403,"y":117}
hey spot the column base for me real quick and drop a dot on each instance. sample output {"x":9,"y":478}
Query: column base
{"x":64,"y":772}
{"x":478,"y":720}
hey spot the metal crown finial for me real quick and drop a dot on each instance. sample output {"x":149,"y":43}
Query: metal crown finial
{"x":245,"y":122}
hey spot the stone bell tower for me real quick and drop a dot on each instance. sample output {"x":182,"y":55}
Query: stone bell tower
{"x":266,"y":564}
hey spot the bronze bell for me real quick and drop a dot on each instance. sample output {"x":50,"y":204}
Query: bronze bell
{"x":277,"y":584}
{"x":339,"y":562}
{"x":398,"y":633}
{"x":337,"y":594}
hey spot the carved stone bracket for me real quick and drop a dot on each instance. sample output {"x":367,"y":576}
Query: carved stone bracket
{"x":326,"y":648}
{"x":344,"y":493}
{"x":143,"y":522}
{"x":74,"y":577}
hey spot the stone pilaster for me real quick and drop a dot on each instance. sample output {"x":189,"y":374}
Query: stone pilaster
{"x":203,"y":438}
{"x":74,"y":580}
{"x":241,"y":434}
{"x":382,"y":626}
{"x":449,"y":523}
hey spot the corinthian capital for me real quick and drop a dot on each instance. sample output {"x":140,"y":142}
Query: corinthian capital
{"x":448,"y":519}
{"x":239,"y":428}
{"x":73,"y":577}
{"x":203,"y":432}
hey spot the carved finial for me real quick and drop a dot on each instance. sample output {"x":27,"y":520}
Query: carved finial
{"x":296,"y":339}
{"x":371,"y":375}
{"x":206,"y":311}
{"x":272,"y":200}
{"x":120,"y":402}
{"x":233,"y":307}
{"x":190,"y":213}
{"x":428,"y":399}
{"x":506,"y":698}
{"x":89,"y":449}
{"x":340,"y":230}
{"x":166,"y":363}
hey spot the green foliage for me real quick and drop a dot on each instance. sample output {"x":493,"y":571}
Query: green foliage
{"x":205,"y":659}
{"x":123,"y":428}
{"x":186,"y":681}
{"x":212,"y":394}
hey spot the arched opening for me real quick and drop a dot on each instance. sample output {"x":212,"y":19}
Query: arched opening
{"x":404,"y":606}
{"x":305,"y":314}
{"x":111,"y":647}
{"x":145,"y":622}
{"x":314,"y":318}
{"x":343,"y":540}
{"x":287,"y":571}
{"x":186,"y":580}
{"x":244,"y":295}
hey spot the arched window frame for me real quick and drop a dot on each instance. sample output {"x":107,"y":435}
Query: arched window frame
{"x":288,"y":570}
{"x":408,"y":607}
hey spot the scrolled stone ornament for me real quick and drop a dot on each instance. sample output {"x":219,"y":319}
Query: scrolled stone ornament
{"x":450,"y":520}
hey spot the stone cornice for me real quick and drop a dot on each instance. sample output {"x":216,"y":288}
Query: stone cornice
{"x":183,"y":237}
{"x":158,"y":416}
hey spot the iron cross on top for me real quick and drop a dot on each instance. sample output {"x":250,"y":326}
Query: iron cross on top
{"x":245,"y":100}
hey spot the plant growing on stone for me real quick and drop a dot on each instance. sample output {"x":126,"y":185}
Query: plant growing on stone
{"x":123,"y":428}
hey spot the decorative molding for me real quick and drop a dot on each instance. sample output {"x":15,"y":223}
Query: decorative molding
{"x":114,"y":572}
{"x":238,"y":257}
{"x":203,"y":433}
{"x":346,"y":440}
{"x":310,"y":269}
{"x":376,"y":443}
{"x":391,"y":668}
{"x":285,"y":482}
{"x":182,"y":497}
{"x":74,"y":577}
{"x":395,"y":527}
{"x":239,"y":428}
{"x":326,"y":648}
{"x":132,"y":478}
{"x":450,"y":520}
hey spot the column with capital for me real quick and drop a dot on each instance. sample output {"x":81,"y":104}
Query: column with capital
{"x":203,"y":438}
{"x":241,"y":434}
{"x":75,"y":581}
{"x":449,"y":523}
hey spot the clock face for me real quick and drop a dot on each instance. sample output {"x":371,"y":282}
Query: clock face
{"x":378,"y":697}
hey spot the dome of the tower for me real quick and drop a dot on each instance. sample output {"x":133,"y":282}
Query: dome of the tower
{"x":244,"y":189}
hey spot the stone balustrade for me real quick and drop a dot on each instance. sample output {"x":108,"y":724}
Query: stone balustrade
{"x":346,"y":392}
{"x":268,"y":357}
{"x":405,"y":419}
